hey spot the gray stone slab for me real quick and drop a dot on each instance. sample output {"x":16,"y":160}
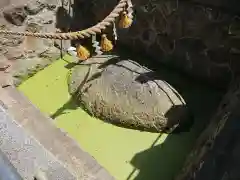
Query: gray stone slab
{"x":56,"y":141}
{"x":7,"y":170}
{"x":26,"y":153}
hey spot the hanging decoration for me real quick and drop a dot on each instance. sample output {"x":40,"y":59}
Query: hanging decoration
{"x":130,"y":9}
{"x":106,"y":44}
{"x":96,"y":45}
{"x":126,"y":17}
{"x":82,"y":52}
{"x":123,"y":10}
{"x":125,"y":21}
{"x":115,"y":36}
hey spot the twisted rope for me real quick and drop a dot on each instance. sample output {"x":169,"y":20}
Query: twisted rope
{"x":78,"y":34}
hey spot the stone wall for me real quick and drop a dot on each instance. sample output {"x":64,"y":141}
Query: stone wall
{"x":196,"y":39}
{"x":22,"y":57}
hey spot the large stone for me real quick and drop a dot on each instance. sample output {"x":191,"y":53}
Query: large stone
{"x":124,"y":94}
{"x":3,"y":50}
{"x":35,"y":6}
{"x":52,"y":53}
{"x":14,"y":53}
{"x":11,"y":41}
{"x":15,"y":15}
{"x":4,"y":64}
{"x":43,"y":22}
{"x":25,"y":67}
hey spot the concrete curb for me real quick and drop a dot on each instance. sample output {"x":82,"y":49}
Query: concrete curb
{"x":64,"y":149}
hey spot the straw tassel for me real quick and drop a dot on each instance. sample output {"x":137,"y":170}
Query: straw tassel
{"x":106,"y":44}
{"x":82,"y":52}
{"x":125,"y":21}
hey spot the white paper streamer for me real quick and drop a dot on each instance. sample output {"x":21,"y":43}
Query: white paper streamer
{"x":96,"y":45}
{"x":115,"y":31}
{"x":72,"y":51}
{"x":130,"y":9}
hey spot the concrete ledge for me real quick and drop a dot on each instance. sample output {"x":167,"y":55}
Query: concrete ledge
{"x":64,"y":148}
{"x":26,"y":154}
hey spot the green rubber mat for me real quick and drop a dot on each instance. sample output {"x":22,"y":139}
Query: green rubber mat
{"x":126,"y":154}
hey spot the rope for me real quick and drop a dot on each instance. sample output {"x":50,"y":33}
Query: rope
{"x":98,"y":28}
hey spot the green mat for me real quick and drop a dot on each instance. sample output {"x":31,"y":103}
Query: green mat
{"x":126,"y":154}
